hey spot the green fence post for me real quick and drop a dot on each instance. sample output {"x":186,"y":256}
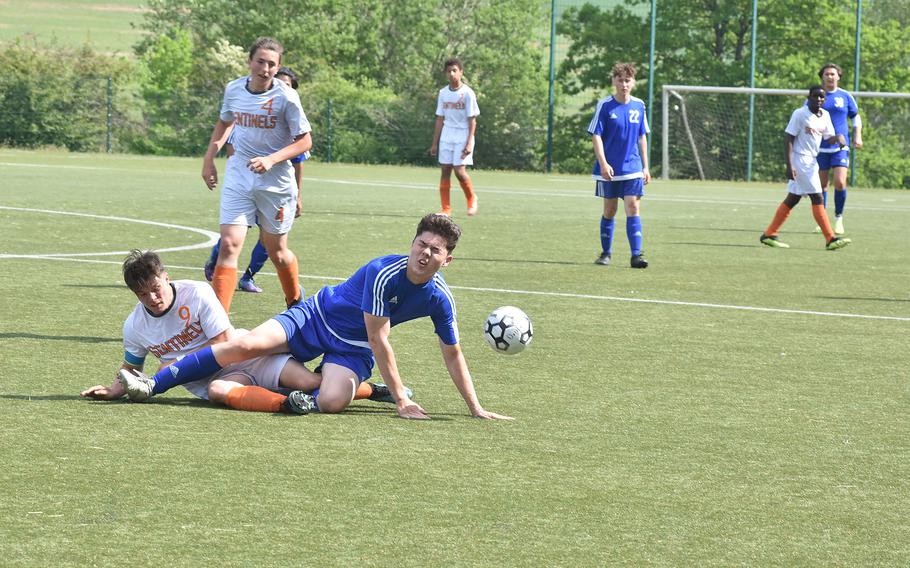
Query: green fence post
{"x":859,"y":28}
{"x":328,"y":153}
{"x":551,"y":103}
{"x":110,"y":111}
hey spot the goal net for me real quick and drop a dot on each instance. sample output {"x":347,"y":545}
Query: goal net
{"x":706,"y":134}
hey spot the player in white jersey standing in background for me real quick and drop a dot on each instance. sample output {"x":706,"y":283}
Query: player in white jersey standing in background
{"x":269,"y":128}
{"x":831,"y":157}
{"x":453,"y":136}
{"x":619,"y":133}
{"x":808,"y":126}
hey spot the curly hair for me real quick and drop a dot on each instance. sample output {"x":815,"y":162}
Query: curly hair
{"x":441,"y":225}
{"x":140,"y":268}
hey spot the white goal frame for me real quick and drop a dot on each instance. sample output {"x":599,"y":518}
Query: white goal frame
{"x":673,"y":91}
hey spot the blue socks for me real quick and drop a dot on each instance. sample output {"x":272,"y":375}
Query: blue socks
{"x":193,"y":367}
{"x":840,"y":199}
{"x":213,"y":257}
{"x":633,"y":231}
{"x":257,"y":260}
{"x":606,"y":235}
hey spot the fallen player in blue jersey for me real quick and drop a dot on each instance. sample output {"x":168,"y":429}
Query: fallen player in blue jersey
{"x":348,"y":325}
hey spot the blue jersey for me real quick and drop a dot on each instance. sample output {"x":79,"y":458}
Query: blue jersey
{"x":840,"y":105}
{"x":381,"y":288}
{"x":620,"y":126}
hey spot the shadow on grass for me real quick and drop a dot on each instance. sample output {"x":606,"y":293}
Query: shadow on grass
{"x":726,"y":245}
{"x":79,"y":338}
{"x":852,"y":298}
{"x":522,"y":261}
{"x":364,"y":214}
{"x":752,"y":230}
{"x":117,"y":286}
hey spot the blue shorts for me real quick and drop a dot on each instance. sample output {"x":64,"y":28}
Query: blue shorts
{"x":828,"y":160}
{"x":620,"y":189}
{"x":300,"y":158}
{"x":308,"y":338}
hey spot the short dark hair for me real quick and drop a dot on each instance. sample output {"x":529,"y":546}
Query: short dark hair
{"x":140,"y":268}
{"x":835,"y":66}
{"x":289,"y":73}
{"x":624,"y":70}
{"x":266,"y":43}
{"x":453,"y":61}
{"x":441,"y":225}
{"x":814,"y":88}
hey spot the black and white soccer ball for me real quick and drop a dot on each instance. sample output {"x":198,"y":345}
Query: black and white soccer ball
{"x":508,"y":330}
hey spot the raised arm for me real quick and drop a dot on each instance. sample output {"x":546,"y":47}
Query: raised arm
{"x":458,"y":370}
{"x":378,"y":329}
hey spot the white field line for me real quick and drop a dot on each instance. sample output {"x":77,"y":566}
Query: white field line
{"x":574,"y":193}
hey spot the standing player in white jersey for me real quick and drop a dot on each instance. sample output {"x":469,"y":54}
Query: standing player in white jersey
{"x":173,"y":319}
{"x":348,"y":325}
{"x":808,"y":126}
{"x":269,"y":128}
{"x":831,"y":157}
{"x":619,"y":132}
{"x":453,"y":136}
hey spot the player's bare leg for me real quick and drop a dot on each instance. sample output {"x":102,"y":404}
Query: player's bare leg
{"x":224,"y":279}
{"x":461,"y":172}
{"x":338,"y":387}
{"x":840,"y":198}
{"x":285,"y":264}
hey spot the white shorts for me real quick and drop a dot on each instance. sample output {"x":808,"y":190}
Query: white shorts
{"x":273,"y":195}
{"x":806,"y":181}
{"x":451,"y":145}
{"x":261,"y":371}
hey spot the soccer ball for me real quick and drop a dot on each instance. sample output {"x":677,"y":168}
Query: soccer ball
{"x":508,"y":330}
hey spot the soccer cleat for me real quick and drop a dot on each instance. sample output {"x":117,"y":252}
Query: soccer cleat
{"x":472,"y":207}
{"x":299,"y":402}
{"x":638,"y":262}
{"x":839,"y":225}
{"x":248,"y":285}
{"x":137,"y":384}
{"x":381,"y":393}
{"x":837,"y":243}
{"x":209,"y":270}
{"x":772,"y":242}
{"x":603,"y":259}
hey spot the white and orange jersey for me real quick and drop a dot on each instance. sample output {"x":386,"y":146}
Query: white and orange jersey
{"x":193,"y":319}
{"x":456,"y":107}
{"x":263,"y":122}
{"x":808,"y":130}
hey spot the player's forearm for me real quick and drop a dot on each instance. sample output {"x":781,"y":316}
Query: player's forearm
{"x":599,"y":155}
{"x":437,"y":130}
{"x":458,"y":370}
{"x":643,"y":151}
{"x":220,"y":134}
{"x":388,"y":366}
{"x":301,"y":145}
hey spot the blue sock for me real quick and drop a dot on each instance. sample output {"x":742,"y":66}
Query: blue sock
{"x":825,"y":199}
{"x":214,"y":255}
{"x":840,"y":199}
{"x":315,"y":394}
{"x":257,"y":260}
{"x":633,"y":231}
{"x":193,"y":367}
{"x":606,"y":235}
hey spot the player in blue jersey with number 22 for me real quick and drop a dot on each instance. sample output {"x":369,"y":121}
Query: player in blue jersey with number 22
{"x":348,"y":325}
{"x":619,"y":132}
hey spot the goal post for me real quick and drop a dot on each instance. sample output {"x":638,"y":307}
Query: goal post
{"x":706,"y":133}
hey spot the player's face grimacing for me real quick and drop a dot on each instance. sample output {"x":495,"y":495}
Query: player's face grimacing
{"x":157,"y":296}
{"x":428,"y":255}
{"x":263,"y":66}
{"x":454,"y":73}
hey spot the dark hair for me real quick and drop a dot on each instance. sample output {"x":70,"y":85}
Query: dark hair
{"x":835,"y":66}
{"x":289,"y":73}
{"x":266,"y":43}
{"x":624,"y":70}
{"x":814,"y":88}
{"x":453,"y":61}
{"x":140,"y":268}
{"x":441,"y":225}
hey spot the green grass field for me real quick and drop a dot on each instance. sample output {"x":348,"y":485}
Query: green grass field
{"x":730,"y":405}
{"x":106,"y":25}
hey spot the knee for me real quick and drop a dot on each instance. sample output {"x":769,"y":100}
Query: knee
{"x":331,"y":404}
{"x":218,"y":390}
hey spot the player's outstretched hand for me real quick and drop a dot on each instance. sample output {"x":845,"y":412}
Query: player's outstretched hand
{"x":101,"y":392}
{"x":413,"y":411}
{"x":487,"y":415}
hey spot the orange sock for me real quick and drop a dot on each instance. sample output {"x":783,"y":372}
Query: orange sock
{"x":468,"y":188}
{"x":256,"y":399}
{"x":224,"y":282}
{"x":290,"y":281}
{"x":779,"y":217}
{"x":818,"y":211}
{"x":364,"y":390}
{"x":445,"y":186}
